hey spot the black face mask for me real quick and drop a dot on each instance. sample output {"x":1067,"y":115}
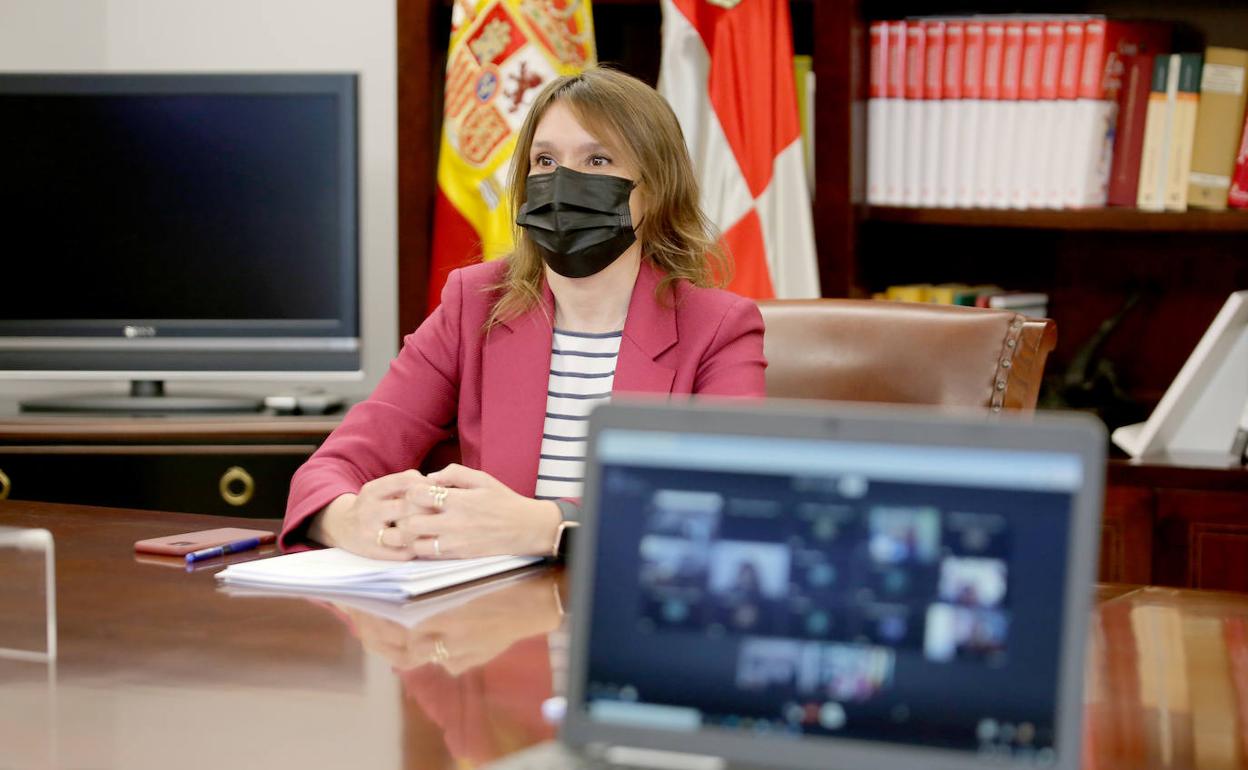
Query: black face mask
{"x":579,"y":222}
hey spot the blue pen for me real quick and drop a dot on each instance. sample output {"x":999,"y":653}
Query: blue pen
{"x":222,"y":550}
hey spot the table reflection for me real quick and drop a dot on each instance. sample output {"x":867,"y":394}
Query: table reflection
{"x":1168,"y":681}
{"x":153,"y":658}
{"x":475,"y":666}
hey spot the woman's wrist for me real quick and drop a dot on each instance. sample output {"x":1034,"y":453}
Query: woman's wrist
{"x":323,"y":527}
{"x":548,"y":517}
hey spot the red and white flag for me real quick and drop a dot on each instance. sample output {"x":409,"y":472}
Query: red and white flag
{"x":727,"y":71}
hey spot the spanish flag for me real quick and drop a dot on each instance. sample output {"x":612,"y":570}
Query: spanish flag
{"x":502,"y":53}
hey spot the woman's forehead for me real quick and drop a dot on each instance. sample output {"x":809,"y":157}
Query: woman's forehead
{"x":561,"y":129}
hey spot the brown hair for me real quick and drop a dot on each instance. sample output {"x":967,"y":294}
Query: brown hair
{"x":625,"y":113}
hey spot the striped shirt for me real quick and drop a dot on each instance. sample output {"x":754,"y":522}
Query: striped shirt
{"x":582,"y":369}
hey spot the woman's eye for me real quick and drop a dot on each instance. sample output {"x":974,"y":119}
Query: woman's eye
{"x":600,"y":160}
{"x":544,"y":161}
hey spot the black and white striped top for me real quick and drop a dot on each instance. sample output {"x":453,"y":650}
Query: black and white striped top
{"x":582,"y":369}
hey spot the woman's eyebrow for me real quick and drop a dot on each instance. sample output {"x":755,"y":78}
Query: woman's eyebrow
{"x":586,"y":148}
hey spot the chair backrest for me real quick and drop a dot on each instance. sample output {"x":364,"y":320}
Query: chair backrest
{"x":904,"y":353}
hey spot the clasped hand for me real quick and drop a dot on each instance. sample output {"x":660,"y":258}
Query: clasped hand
{"x":454,"y":513}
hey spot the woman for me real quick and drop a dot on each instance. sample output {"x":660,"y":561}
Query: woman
{"x":612,"y":249}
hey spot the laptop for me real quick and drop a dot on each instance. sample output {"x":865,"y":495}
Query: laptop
{"x":799,"y":585}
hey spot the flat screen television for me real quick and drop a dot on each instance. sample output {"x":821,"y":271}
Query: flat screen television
{"x":190,"y":226}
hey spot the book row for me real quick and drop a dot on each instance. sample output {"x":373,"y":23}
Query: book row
{"x":1012,"y":111}
{"x":1034,"y":304}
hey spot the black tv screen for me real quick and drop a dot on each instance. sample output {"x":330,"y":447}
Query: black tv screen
{"x":179,"y":222}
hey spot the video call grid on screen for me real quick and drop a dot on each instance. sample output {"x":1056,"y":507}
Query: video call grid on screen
{"x":880,"y":592}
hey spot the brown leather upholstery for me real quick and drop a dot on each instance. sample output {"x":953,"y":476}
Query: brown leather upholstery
{"x":904,"y":353}
{"x":892,"y":352}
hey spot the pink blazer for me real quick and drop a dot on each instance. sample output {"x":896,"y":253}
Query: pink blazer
{"x":491,"y":388}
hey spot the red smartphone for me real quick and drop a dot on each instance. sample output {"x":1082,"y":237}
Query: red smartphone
{"x":181,"y":545}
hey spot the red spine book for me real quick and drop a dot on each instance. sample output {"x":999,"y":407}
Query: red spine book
{"x":933,"y":69}
{"x":1062,"y":170}
{"x":895,"y":113}
{"x":877,"y":141}
{"x":969,"y":129}
{"x":1124,"y":178}
{"x":1006,"y":175}
{"x":916,"y":60}
{"x":1026,"y":154}
{"x":1033,"y":53}
{"x":951,"y":116}
{"x":1046,"y":122}
{"x":933,"y":95}
{"x":1238,"y":197}
{"x":986,"y":168}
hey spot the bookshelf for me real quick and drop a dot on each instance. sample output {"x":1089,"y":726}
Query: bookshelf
{"x":1181,"y":265}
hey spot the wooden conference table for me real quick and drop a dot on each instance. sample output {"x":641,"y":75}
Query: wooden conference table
{"x":159,"y":668}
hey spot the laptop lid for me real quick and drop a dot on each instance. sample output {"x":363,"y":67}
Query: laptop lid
{"x":800,"y":585}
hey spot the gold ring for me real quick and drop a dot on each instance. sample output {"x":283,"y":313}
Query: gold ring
{"x":439,"y":495}
{"x":380,"y":533}
{"x":440,"y":653}
{"x":437,"y":549}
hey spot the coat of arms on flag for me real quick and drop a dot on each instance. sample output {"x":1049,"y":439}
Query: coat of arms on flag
{"x":501,"y":54}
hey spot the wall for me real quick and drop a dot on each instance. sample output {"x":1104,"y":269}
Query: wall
{"x":243,"y":35}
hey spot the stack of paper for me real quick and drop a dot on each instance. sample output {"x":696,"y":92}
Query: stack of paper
{"x":333,"y":570}
{"x":406,"y":614}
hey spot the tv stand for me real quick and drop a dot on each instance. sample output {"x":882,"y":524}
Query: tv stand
{"x":146,"y":397}
{"x":230,"y":465}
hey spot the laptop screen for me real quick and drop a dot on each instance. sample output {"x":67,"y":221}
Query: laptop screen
{"x":878,"y":592}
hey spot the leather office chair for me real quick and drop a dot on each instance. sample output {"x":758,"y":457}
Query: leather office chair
{"x":892,"y":352}
{"x":905,"y":353}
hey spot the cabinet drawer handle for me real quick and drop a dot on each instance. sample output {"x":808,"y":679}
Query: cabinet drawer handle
{"x":236,"y":475}
{"x":5,"y":486}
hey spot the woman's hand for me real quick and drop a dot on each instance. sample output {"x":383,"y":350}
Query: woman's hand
{"x":479,"y":516}
{"x":363,"y":523}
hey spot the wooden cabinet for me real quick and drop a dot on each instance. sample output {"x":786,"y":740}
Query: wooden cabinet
{"x":237,"y":466}
{"x":1178,"y":521}
{"x":1127,"y":536}
{"x":1205,"y":537}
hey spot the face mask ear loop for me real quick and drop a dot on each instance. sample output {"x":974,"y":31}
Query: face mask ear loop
{"x":636,"y":226}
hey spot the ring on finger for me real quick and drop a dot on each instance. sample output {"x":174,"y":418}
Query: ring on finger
{"x":437,"y":548}
{"x":440,"y":653}
{"x":380,"y":534}
{"x":438,"y":493}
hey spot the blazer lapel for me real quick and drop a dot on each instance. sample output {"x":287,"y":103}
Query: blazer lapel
{"x":515,"y":377}
{"x":649,"y":330}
